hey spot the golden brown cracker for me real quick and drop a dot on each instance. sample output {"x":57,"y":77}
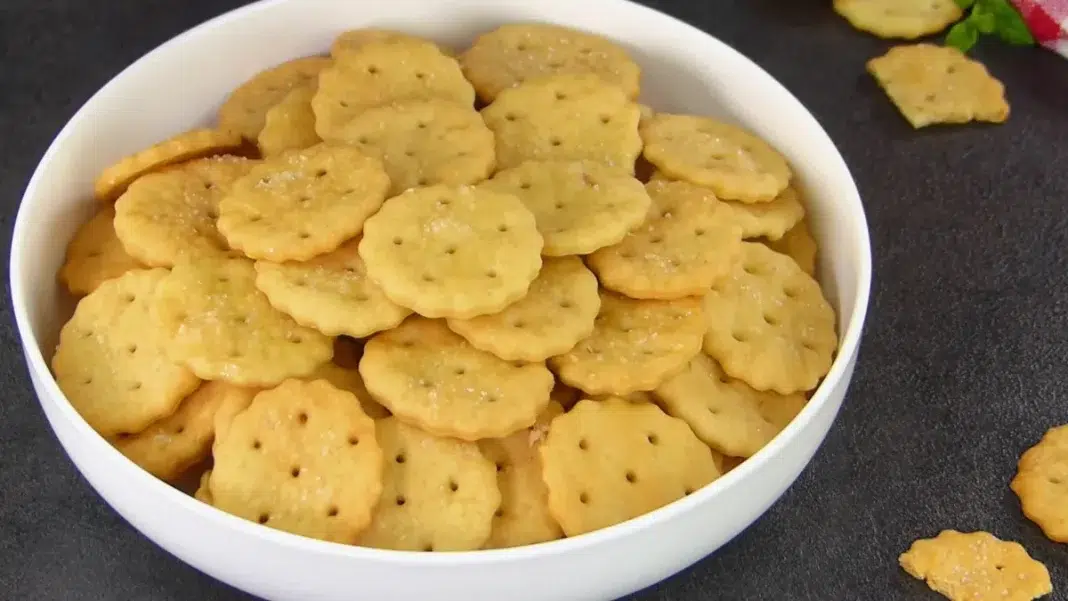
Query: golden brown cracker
{"x":769,"y":324}
{"x":1041,"y":483}
{"x":188,"y":145}
{"x":424,"y":142}
{"x":523,"y":516}
{"x":799,"y":245}
{"x":302,"y":458}
{"x":724,"y":413}
{"x":514,"y":53}
{"x":429,"y":376}
{"x":245,"y":110}
{"x":349,"y":379}
{"x":438,"y":494}
{"x":579,"y":206}
{"x":976,"y":566}
{"x":167,"y":216}
{"x":452,"y":251}
{"x":111,"y":361}
{"x":302,"y":203}
{"x":557,"y":312}
{"x":933,"y":85}
{"x":606,"y":462}
{"x":95,"y":255}
{"x":909,"y":19}
{"x":290,"y":124}
{"x":330,"y":293}
{"x":733,"y":162}
{"x":384,"y":72}
{"x":688,"y":241}
{"x":219,"y":325}
{"x":565,"y":118}
{"x":172,"y":445}
{"x":635,"y":345}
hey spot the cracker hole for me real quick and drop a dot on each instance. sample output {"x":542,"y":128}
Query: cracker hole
{"x":400,"y":501}
{"x":459,"y":371}
{"x":491,"y":274}
{"x":422,"y":181}
{"x":500,"y":467}
{"x":771,"y":320}
{"x":131,"y":349}
{"x":264,"y":518}
{"x":1055,"y":481}
{"x":583,"y":444}
{"x":674,"y":263}
{"x":213,"y":214}
{"x":302,"y":417}
{"x":257,"y":445}
{"x":502,"y":228}
{"x":627,"y":254}
{"x":585,"y":50}
{"x":453,"y":486}
{"x":293,"y":338}
{"x":713,"y":411}
{"x":511,"y":117}
{"x":87,"y":381}
{"x":666,"y":214}
{"x":420,"y":75}
{"x":421,"y":125}
{"x":305,"y":200}
{"x":524,"y":185}
{"x":631,"y":477}
{"x":373,"y":69}
{"x":444,"y":202}
{"x":724,"y":380}
{"x":255,"y":218}
{"x":426,"y":383}
{"x":93,"y":254}
{"x":687,"y":491}
{"x":559,"y":204}
{"x":490,"y":398}
{"x":451,"y":250}
{"x":739,"y":336}
{"x":320,"y":173}
{"x":407,"y":343}
{"x":606,"y":119}
{"x":808,"y":346}
{"x":999,"y":567}
{"x":397,"y":241}
{"x":354,"y":440}
{"x":362,"y":140}
{"x":428,"y":278}
{"x":561,"y":96}
{"x":429,"y":548}
{"x":295,"y":471}
{"x":931,"y":98}
{"x":400,"y":458}
{"x":699,"y":232}
{"x":584,"y":498}
{"x":304,"y":235}
{"x":519,"y":324}
{"x":129,"y":298}
{"x":235,"y":353}
{"x":332,"y":511}
{"x":556,"y":65}
{"x":652,"y":438}
{"x":790,"y":292}
{"x":89,"y":333}
{"x":554,"y":141}
{"x":135,"y":386}
{"x":565,"y":304}
{"x":656,"y":239}
{"x":499,"y":513}
{"x":409,"y":153}
{"x":521,"y":47}
{"x":179,"y":430}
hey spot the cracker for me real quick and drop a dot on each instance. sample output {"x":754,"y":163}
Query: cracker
{"x":188,"y":145}
{"x":166,"y":216}
{"x":733,"y":162}
{"x":688,"y":241}
{"x":385,"y":72}
{"x":799,"y":245}
{"x":355,"y":39}
{"x":219,"y":325}
{"x":523,"y":516}
{"x":203,"y":492}
{"x":349,"y":379}
{"x":635,"y":345}
{"x":1041,"y":483}
{"x":303,"y":458}
{"x":724,"y":413}
{"x":111,"y":362}
{"x":976,"y":566}
{"x":290,"y":124}
{"x":933,"y":85}
{"x":515,"y":53}
{"x":610,"y":461}
{"x":909,"y":19}
{"x":424,"y":142}
{"x":330,"y":293}
{"x":428,"y":376}
{"x":769,"y":324}
{"x":438,"y":494}
{"x":579,"y":206}
{"x":557,"y":312}
{"x":95,"y":255}
{"x":302,"y":203}
{"x":452,"y":251}
{"x":172,"y":445}
{"x":565,"y":118}
{"x":245,"y":110}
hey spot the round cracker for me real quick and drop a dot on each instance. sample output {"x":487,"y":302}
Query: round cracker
{"x":515,"y":53}
{"x":579,"y":206}
{"x":245,"y":110}
{"x":799,"y":245}
{"x":290,"y":124}
{"x":908,"y":19}
{"x":1041,"y":483}
{"x":348,"y":378}
{"x":95,"y":254}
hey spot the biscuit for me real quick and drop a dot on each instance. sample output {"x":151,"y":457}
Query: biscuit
{"x":1041,"y":483}
{"x":565,"y":118}
{"x":348,"y":378}
{"x":909,"y":19}
{"x":769,"y":324}
{"x":245,"y":110}
{"x":303,"y":458}
{"x":330,"y":293}
{"x":557,"y":312}
{"x":799,"y":245}
{"x":430,"y":377}
{"x":290,"y":124}
{"x":688,"y":241}
{"x":221,"y":327}
{"x":167,"y":216}
{"x":579,"y":206}
{"x":610,"y":461}
{"x":635,"y":345}
{"x":384,"y":72}
{"x":452,"y":252}
{"x":302,"y":203}
{"x":514,"y":53}
{"x":933,"y":85}
{"x":438,"y":494}
{"x":424,"y":142}
{"x":111,"y":362}
{"x":733,"y":162}
{"x":976,"y":566}
{"x":95,"y":255}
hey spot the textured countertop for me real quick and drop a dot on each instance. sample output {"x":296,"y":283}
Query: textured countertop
{"x":962,"y":367}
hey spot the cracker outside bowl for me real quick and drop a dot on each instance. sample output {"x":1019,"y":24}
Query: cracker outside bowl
{"x":682,"y":67}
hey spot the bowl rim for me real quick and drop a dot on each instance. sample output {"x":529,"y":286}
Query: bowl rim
{"x":139,"y":478}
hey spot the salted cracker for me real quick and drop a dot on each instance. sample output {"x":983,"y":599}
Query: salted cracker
{"x":428,"y":376}
{"x":95,"y":254}
{"x":907,"y":19}
{"x":245,"y":109}
{"x":290,"y":124}
{"x":349,"y":379}
{"x":1041,"y":483}
{"x":799,"y":245}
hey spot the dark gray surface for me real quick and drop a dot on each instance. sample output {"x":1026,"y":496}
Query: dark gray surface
{"x":962,"y":367}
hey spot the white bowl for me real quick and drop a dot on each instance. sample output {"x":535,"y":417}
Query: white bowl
{"x":182,"y":83}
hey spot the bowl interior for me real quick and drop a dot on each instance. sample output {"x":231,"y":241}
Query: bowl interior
{"x":182,"y":83}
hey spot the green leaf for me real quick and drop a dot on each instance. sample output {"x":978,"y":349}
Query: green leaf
{"x":962,"y":36}
{"x":983,"y":18}
{"x":965,"y":4}
{"x":1010,"y":26}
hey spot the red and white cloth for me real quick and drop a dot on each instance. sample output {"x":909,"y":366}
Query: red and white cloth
{"x":1048,"y":22}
